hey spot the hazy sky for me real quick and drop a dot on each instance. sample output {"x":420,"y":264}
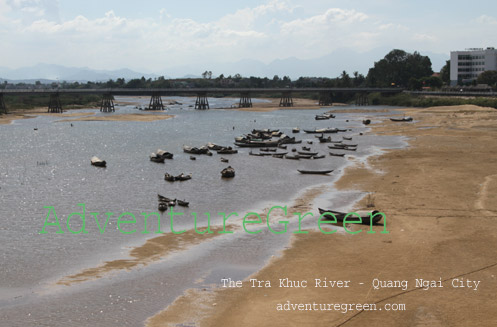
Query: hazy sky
{"x":151,"y":35}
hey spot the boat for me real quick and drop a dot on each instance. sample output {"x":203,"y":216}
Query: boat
{"x":183,"y":177}
{"x":162,"y":206}
{"x":337,"y":154}
{"x":282,"y":147}
{"x":366,"y":121}
{"x":321,"y":130}
{"x":193,"y":150}
{"x":325,"y":139}
{"x":307,"y":153}
{"x":402,"y":119}
{"x":256,"y":154}
{"x":193,"y":158}
{"x":257,"y":144}
{"x":365,"y":219}
{"x":347,"y":138}
{"x":164,"y":199}
{"x":341,"y":148}
{"x":279,"y":155}
{"x":318,"y":157}
{"x":155,"y":158}
{"x":305,"y":156}
{"x":268,"y":150}
{"x":168,"y":177}
{"x":164,"y":154}
{"x":97,"y":162}
{"x":296,"y":130}
{"x":214,"y":147}
{"x":183,"y":203}
{"x":228,"y":172}
{"x":227,"y":150}
{"x":319,"y":172}
{"x":309,"y":142}
{"x":305,"y":148}
{"x":224,"y":160}
{"x":322,"y":117}
{"x":295,"y":157}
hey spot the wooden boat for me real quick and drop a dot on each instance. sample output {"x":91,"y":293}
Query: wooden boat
{"x":282,"y":147}
{"x":164,"y":199}
{"x":164,"y":154}
{"x":402,"y":119}
{"x":256,"y":154}
{"x":268,"y":149}
{"x":305,"y":148}
{"x":162,"y":206}
{"x":183,"y":203}
{"x":183,"y":177}
{"x":347,"y":138}
{"x":155,"y":158}
{"x":318,"y":157}
{"x":337,"y":154}
{"x":214,"y":147}
{"x":341,"y":130}
{"x":97,"y":162}
{"x":256,"y":144}
{"x":322,"y":130}
{"x":227,"y":150}
{"x":309,"y":142}
{"x":307,"y":153}
{"x":305,"y":156}
{"x":224,"y":160}
{"x":341,"y":148}
{"x":325,"y":139}
{"x":365,"y":219}
{"x":319,"y":172}
{"x":168,"y":177}
{"x":296,"y":130}
{"x":194,"y":150}
{"x":193,"y":158}
{"x":279,"y":155}
{"x":228,"y":172}
{"x":321,"y":117}
{"x":295,"y":157}
{"x":366,"y":121}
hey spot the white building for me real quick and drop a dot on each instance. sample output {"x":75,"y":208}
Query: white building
{"x":465,"y":66}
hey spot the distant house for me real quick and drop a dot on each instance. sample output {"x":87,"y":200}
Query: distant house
{"x":465,"y":66}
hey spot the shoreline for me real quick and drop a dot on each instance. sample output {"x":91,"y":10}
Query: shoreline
{"x":432,"y":246}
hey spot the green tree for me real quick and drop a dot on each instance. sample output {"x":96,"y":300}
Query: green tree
{"x":488,"y":77}
{"x":445,"y":73}
{"x":397,"y":68}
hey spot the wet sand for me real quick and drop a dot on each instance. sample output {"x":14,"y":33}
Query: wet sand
{"x":439,"y":199}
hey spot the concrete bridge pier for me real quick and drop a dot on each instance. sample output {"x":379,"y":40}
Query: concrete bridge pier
{"x":325,"y":99}
{"x":202,"y":102}
{"x":54,"y":105}
{"x":245,"y":100}
{"x":286,"y":99}
{"x":362,"y":99}
{"x":107,"y":104}
{"x":3,"y":107}
{"x":156,"y":102}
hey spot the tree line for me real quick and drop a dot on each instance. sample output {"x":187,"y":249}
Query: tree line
{"x":397,"y":69}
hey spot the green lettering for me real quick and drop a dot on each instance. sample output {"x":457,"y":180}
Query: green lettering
{"x":56,"y":223}
{"x":284,"y":222}
{"x":333,"y":220}
{"x":119,"y":222}
{"x":83,"y":219}
{"x":171,"y":215}
{"x":208,"y":229}
{"x":146,"y":215}
{"x":352,"y":222}
{"x":300,"y":231}
{"x":245,"y":221}
{"x":95,"y":214}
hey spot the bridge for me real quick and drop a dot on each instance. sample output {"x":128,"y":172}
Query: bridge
{"x":107,"y":103}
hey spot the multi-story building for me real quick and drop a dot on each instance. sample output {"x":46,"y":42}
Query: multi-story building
{"x":465,"y":66}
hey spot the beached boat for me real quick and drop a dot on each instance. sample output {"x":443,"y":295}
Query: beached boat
{"x":365,"y":218}
{"x":321,"y":117}
{"x":337,"y":154}
{"x":97,"y":162}
{"x":402,"y":119}
{"x":168,"y":177}
{"x":296,"y":130}
{"x":342,"y":148}
{"x":318,"y":157}
{"x":318,"y":172}
{"x":347,"y":138}
{"x":228,"y":172}
{"x":307,"y":153}
{"x":295,"y":157}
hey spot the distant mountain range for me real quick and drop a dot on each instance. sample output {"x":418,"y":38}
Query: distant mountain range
{"x":331,"y":65}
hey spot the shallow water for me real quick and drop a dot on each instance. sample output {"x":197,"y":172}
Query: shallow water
{"x":50,"y":166}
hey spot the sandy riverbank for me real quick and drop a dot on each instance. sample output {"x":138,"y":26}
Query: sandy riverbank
{"x":439,"y":199}
{"x":274,"y":104}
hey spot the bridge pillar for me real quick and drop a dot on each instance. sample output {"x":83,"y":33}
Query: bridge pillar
{"x":325,"y":99}
{"x":107,"y":104}
{"x":202,"y":102}
{"x":286,"y":99}
{"x":362,"y":99}
{"x":245,"y":100}
{"x":54,"y":105}
{"x":3,"y":107}
{"x":155,"y":102}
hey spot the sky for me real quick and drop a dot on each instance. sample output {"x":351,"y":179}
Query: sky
{"x":152,"y":35}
